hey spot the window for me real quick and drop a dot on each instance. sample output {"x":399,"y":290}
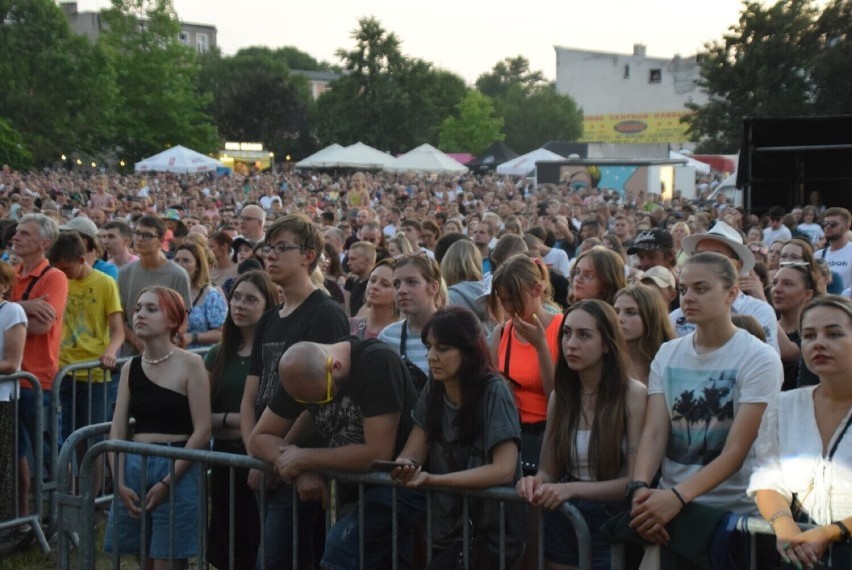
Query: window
{"x":201,"y":42}
{"x":627,"y":72}
{"x":183,"y":38}
{"x":655,"y":76}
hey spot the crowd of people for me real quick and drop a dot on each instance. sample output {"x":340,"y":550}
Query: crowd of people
{"x":664,"y":365}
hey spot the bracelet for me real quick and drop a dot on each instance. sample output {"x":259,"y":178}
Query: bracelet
{"x":679,"y":497}
{"x":163,"y":481}
{"x":225,"y":420}
{"x":845,"y":536}
{"x":777,"y":515}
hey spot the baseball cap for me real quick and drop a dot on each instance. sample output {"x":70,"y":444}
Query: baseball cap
{"x":81,"y":224}
{"x":661,"y":276}
{"x":655,"y":238}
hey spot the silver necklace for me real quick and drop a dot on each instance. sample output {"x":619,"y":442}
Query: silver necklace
{"x":158,"y":360}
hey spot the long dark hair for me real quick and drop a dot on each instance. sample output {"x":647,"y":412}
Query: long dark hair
{"x":460,"y":328}
{"x":232,"y":336}
{"x":609,"y":426}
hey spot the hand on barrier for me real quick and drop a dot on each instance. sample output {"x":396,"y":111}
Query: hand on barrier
{"x":288,"y":465}
{"x":130,"y":500}
{"x":526,"y":487}
{"x":312,"y":487}
{"x":108,"y":360}
{"x":551,"y":495}
{"x":410,"y":474}
{"x":651,"y":511}
{"x":806,"y":548}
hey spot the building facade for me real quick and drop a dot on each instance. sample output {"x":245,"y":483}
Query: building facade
{"x":630,"y":97}
{"x":201,"y":37}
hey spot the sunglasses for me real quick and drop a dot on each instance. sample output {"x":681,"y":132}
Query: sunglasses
{"x":329,"y":385}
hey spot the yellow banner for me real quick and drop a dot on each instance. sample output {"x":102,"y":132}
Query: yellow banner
{"x":658,"y":127}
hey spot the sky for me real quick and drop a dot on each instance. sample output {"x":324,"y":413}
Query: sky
{"x":467,"y":38}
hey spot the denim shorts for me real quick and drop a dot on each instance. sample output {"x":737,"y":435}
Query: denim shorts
{"x":560,"y":541}
{"x":124,"y":533}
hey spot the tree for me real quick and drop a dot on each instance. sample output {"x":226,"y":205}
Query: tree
{"x":385,"y":99}
{"x":159,"y":104}
{"x":58,"y":90}
{"x":256,"y":98}
{"x":532,"y":120}
{"x":508,"y":73}
{"x":12,"y":150}
{"x":782,"y":60}
{"x":476,"y":126}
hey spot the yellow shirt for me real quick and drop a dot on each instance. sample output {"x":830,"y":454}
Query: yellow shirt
{"x":85,"y":328}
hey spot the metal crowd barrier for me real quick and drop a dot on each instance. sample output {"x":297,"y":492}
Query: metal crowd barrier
{"x":77,"y":511}
{"x":97,"y":391}
{"x":34,"y":519}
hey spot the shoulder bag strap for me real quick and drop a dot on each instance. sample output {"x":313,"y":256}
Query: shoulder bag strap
{"x":507,"y":330}
{"x":403,"y":338}
{"x":839,"y":437}
{"x":26,"y":295}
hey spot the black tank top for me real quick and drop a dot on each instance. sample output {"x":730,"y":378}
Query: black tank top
{"x":156,"y":409}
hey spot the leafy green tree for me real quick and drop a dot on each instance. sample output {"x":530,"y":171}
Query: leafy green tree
{"x":544,"y":115}
{"x":256,"y":98}
{"x":476,"y":126}
{"x":385,"y":99}
{"x":57,"y":89}
{"x":12,"y":150}
{"x":159,"y":104}
{"x":508,"y":73}
{"x":780,"y":60}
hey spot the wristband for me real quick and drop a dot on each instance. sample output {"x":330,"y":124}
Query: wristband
{"x":845,"y":536}
{"x":632,"y":487}
{"x":165,"y":483}
{"x":679,"y":497}
{"x":777,"y":515}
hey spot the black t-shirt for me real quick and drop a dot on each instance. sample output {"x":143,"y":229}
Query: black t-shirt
{"x":356,"y":289}
{"x":318,"y":319}
{"x":378,"y":384}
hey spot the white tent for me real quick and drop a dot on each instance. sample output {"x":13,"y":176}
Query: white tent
{"x":178,"y":159}
{"x":358,"y":155}
{"x":319,"y":158}
{"x":524,"y":165}
{"x":426,"y":158}
{"x":700,"y":167}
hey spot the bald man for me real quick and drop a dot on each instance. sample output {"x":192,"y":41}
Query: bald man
{"x":359,"y":397}
{"x":252,"y":219}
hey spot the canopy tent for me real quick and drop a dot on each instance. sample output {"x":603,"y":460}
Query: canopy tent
{"x":426,"y":158}
{"x":318,"y":159}
{"x":178,"y":159}
{"x":700,"y":167}
{"x":357,"y":155}
{"x":497,"y":153}
{"x":524,"y":165}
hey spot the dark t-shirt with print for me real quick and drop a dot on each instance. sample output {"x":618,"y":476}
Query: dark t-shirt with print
{"x":318,"y":319}
{"x":378,"y":384}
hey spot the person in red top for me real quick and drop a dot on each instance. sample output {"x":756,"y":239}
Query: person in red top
{"x":42,"y":292}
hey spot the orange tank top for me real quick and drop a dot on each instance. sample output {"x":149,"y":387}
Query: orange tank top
{"x":523,"y":370}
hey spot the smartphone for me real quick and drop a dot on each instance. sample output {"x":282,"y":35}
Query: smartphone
{"x":380,"y":465}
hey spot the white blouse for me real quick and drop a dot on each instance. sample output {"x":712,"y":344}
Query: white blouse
{"x":790,"y":458}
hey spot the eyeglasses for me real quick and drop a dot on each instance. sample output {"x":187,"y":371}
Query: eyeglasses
{"x":832,"y":224}
{"x":329,"y":396}
{"x":144,"y":236}
{"x":280,"y":248}
{"x":584,"y":276}
{"x":249,"y":301}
